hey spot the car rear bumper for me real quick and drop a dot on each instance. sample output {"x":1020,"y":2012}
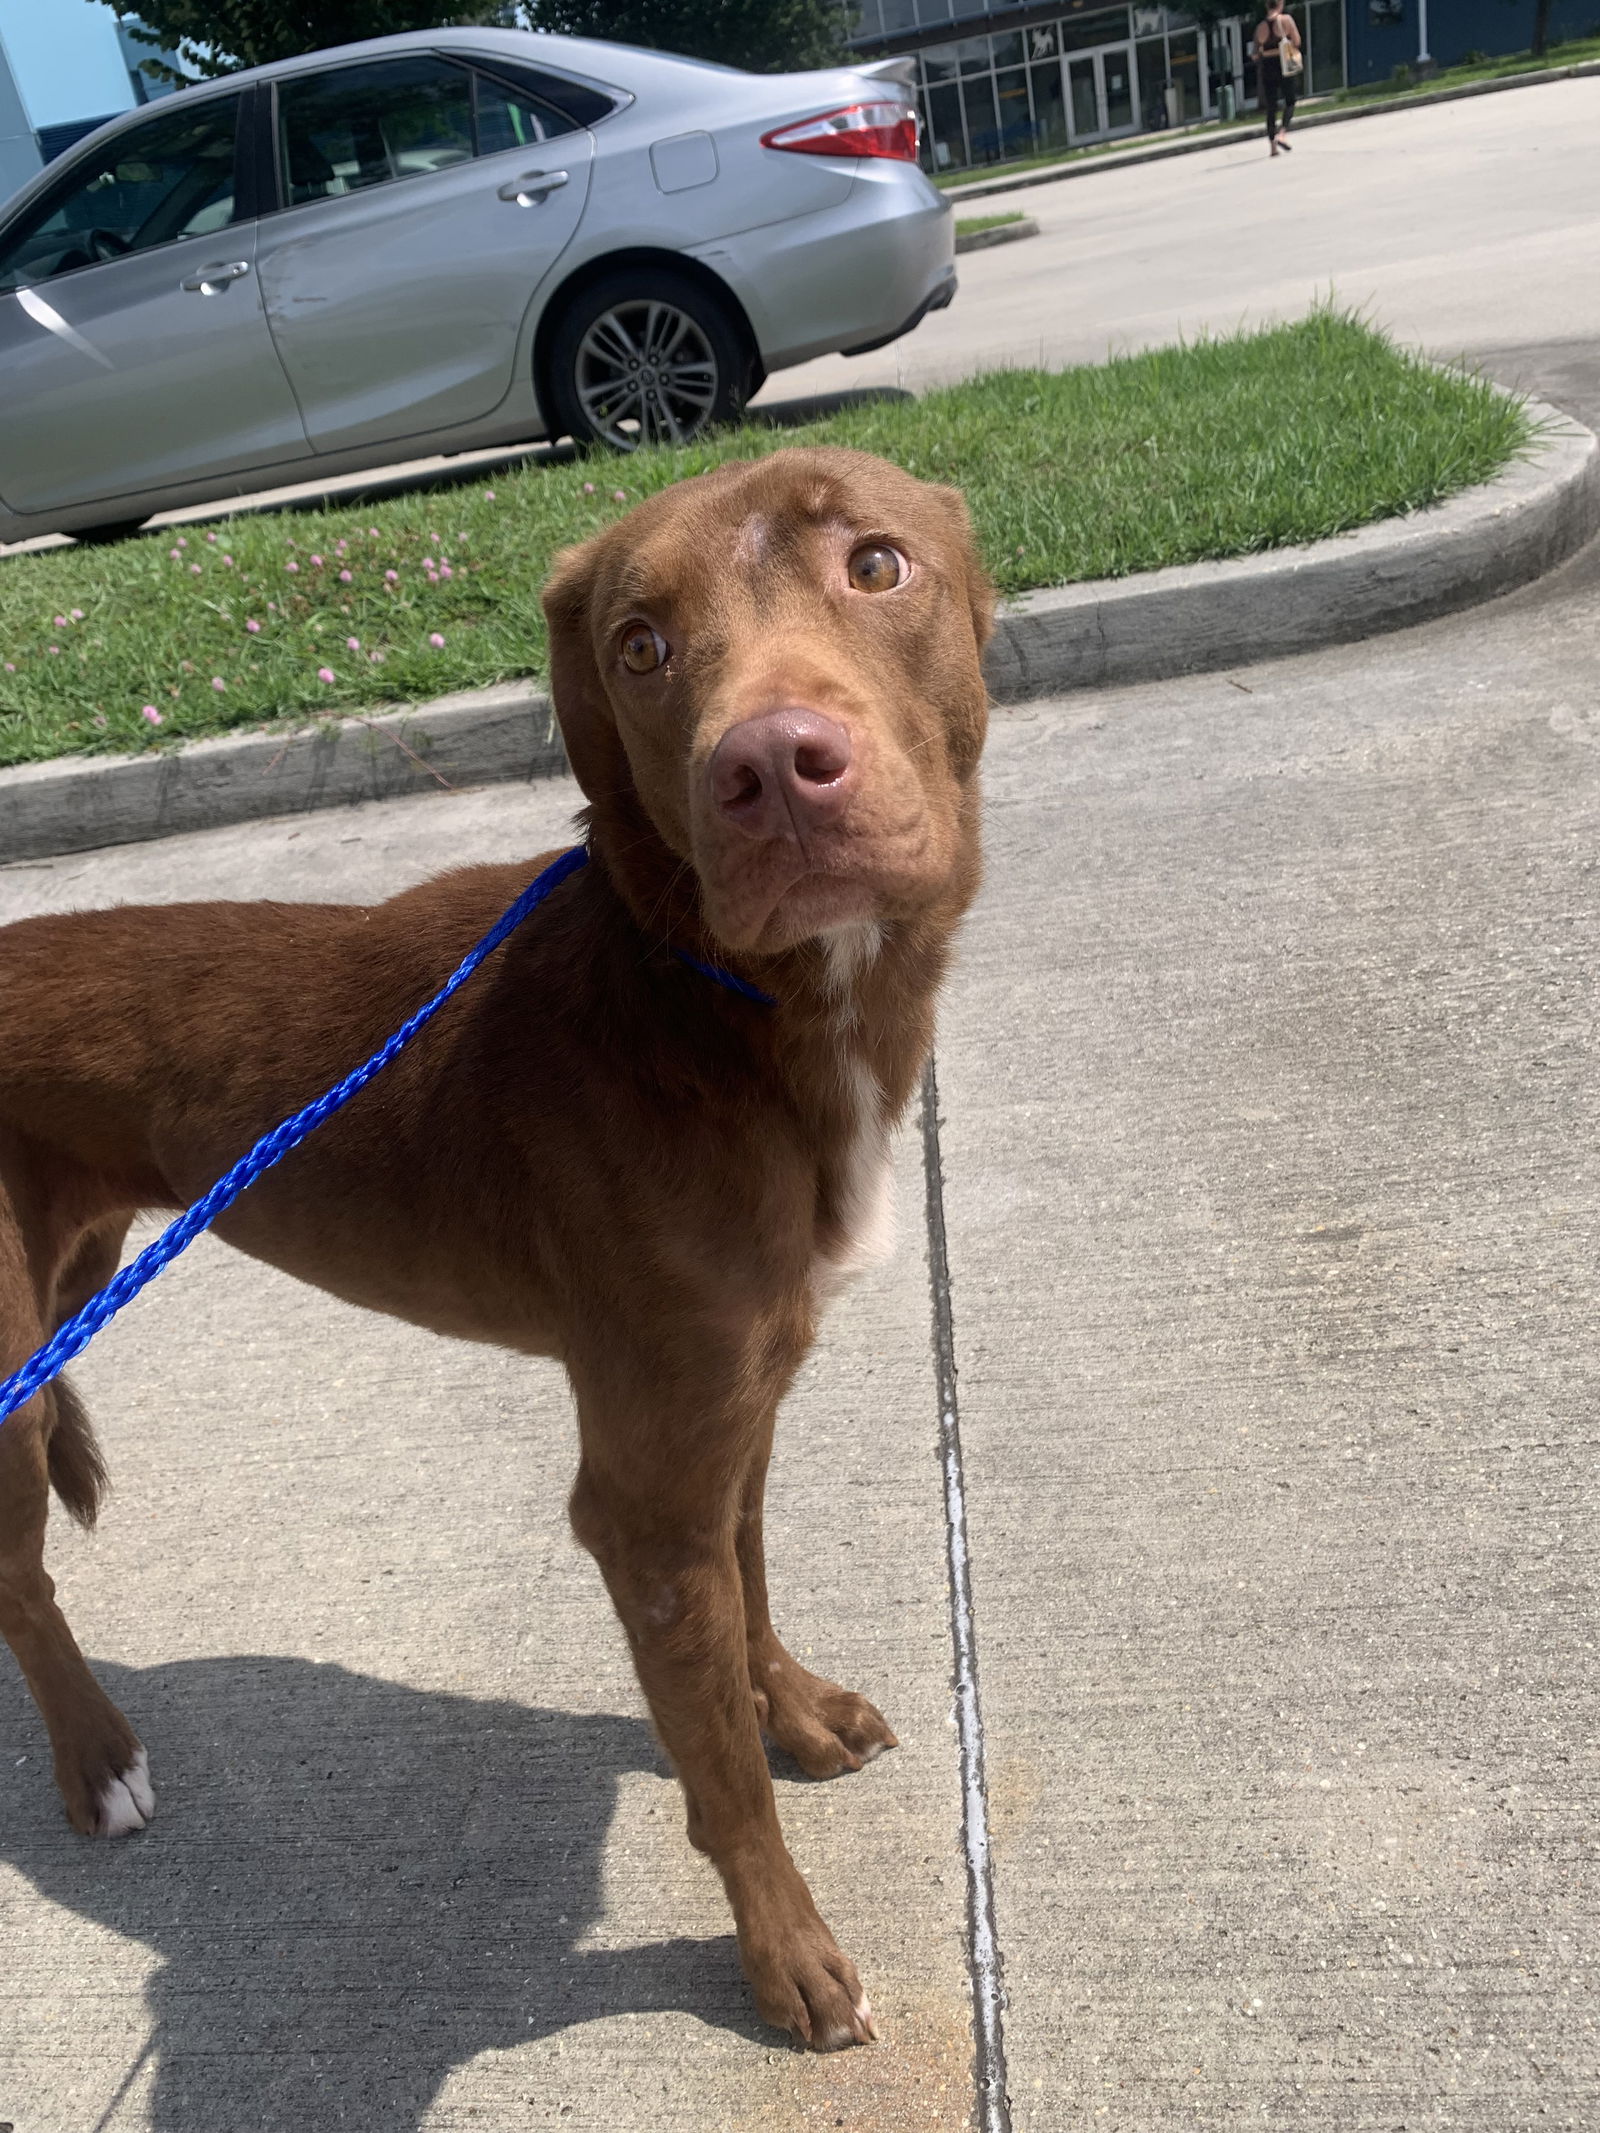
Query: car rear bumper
{"x":848,"y":278}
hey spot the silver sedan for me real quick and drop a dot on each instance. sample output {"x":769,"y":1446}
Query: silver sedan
{"x":438,"y":242}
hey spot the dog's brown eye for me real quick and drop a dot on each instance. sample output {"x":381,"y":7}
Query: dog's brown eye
{"x":876,"y":569}
{"x":642,"y":650}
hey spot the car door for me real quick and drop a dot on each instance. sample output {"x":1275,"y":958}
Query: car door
{"x":134,"y":351}
{"x":423,"y":205}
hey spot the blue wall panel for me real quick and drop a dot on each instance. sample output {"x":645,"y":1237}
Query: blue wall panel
{"x":1455,"y":27}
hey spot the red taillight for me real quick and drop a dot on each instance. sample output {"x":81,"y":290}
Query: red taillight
{"x":857,"y":130}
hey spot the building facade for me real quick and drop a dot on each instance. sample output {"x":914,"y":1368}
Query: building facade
{"x":66,"y":66}
{"x":1385,"y":34}
{"x":996,"y":81}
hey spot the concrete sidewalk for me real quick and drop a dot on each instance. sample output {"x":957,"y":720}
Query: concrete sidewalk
{"x":1268,"y":1125}
{"x":1269,"y":1144}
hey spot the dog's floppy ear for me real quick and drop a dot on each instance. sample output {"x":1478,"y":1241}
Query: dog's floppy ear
{"x":979,"y":588}
{"x":583,"y":710}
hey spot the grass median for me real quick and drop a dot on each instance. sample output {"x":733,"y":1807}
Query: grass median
{"x":264,"y":621}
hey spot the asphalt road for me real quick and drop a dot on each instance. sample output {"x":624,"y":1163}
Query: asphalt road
{"x":1457,"y":228}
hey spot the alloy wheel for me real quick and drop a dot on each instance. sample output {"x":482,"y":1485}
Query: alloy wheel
{"x":646,"y":373}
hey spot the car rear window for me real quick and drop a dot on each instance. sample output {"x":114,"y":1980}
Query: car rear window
{"x":510,"y":118}
{"x":355,"y":127}
{"x":583,"y":105}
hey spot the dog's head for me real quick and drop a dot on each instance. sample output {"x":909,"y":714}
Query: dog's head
{"x":770,"y":674}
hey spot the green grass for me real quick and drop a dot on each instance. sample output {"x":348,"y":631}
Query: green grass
{"x":1571,"y":54}
{"x":1219,"y":448}
{"x":970,"y":225}
{"x":1013,"y":167}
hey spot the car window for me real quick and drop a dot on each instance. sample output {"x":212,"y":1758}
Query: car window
{"x":167,"y":179}
{"x":508,"y":119}
{"x":355,"y":127}
{"x":574,"y":100}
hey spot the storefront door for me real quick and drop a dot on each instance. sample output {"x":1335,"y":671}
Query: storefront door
{"x":1100,"y":93}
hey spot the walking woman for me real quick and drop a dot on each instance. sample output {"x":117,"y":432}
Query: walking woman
{"x":1279,"y":65}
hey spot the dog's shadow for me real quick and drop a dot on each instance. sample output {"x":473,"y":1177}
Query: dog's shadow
{"x":354,"y":1887}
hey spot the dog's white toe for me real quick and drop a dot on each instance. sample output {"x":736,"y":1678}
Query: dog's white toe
{"x":128,"y":1802}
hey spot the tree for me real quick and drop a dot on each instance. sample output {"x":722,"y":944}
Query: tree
{"x":214,"y":37}
{"x":766,"y":36}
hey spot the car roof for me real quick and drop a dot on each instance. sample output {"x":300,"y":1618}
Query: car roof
{"x":625,"y":68}
{"x":585,"y":56}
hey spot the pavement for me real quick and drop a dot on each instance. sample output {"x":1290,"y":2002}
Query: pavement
{"x":1267,"y":1119}
{"x":1457,"y":228}
{"x":1267,"y":1126}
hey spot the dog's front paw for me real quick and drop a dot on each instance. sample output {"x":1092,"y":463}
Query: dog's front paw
{"x":108,"y":1793}
{"x":806,"y":1984}
{"x":827,"y":1730}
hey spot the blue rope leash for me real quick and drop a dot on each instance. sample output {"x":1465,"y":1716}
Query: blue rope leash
{"x":75,"y":1335}
{"x":72,"y":1338}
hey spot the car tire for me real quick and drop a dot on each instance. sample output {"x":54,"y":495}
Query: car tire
{"x":645,"y":357}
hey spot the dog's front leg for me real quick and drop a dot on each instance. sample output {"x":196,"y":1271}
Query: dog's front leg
{"x":659,"y":1507}
{"x":827,"y":1729}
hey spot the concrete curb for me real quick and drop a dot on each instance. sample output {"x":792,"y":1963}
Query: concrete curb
{"x":1007,"y":233}
{"x":1146,"y":628}
{"x":478,"y":737}
{"x":1202,"y":616}
{"x":1092,"y":165}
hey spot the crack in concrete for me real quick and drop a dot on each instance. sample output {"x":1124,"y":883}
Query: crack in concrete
{"x":983,"y":1943}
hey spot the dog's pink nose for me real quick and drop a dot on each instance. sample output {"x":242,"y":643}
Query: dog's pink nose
{"x":782,"y":774}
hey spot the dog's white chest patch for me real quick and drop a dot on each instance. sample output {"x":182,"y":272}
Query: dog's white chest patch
{"x":864,"y":1170}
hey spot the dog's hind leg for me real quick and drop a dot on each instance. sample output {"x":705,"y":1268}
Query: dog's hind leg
{"x":100,"y":1765}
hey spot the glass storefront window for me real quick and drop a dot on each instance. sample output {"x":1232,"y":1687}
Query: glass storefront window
{"x":1091,"y":72}
{"x":1183,"y":64}
{"x":983,"y":121}
{"x":1118,"y":72}
{"x":1016,"y":125}
{"x":868,"y":20}
{"x":1325,"y":47}
{"x":1152,"y":58}
{"x":1049,"y":107}
{"x":898,"y":15}
{"x":946,"y":142}
{"x":1107,"y":26}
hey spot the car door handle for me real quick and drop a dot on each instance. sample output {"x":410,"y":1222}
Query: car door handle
{"x":210,"y":279}
{"x":530,"y":189}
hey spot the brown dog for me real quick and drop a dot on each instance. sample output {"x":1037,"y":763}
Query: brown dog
{"x":769,"y":686}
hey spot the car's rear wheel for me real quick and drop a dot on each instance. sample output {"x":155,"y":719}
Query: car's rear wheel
{"x":645,"y":357}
